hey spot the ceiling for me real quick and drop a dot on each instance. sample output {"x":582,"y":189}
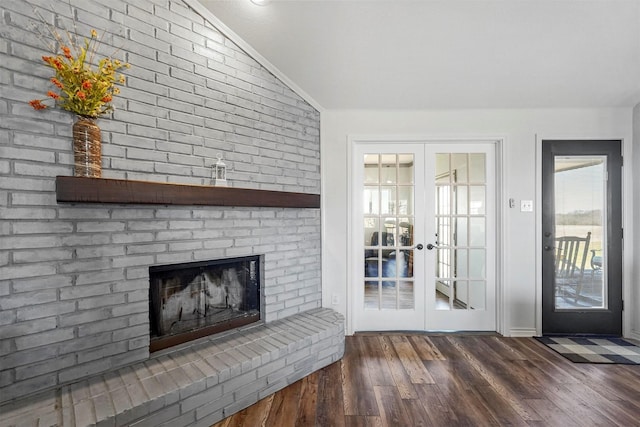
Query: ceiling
{"x":441,"y":54}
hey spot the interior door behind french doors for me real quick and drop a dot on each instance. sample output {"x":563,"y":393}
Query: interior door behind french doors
{"x":424,"y":233}
{"x":582,"y":237}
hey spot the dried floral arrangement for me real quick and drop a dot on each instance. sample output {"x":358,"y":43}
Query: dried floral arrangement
{"x":82,"y":86}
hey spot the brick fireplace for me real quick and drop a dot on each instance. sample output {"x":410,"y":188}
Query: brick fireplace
{"x":74,"y":276}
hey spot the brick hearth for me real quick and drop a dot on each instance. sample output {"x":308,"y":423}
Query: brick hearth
{"x":195,"y":385}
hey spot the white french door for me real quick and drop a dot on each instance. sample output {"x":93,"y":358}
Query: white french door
{"x":424,"y":236}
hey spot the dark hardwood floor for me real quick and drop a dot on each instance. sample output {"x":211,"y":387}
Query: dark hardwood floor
{"x":452,"y":380}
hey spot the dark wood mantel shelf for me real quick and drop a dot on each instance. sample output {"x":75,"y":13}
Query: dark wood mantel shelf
{"x":101,"y":190}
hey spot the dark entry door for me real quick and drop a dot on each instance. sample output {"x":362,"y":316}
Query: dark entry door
{"x":581,"y":237}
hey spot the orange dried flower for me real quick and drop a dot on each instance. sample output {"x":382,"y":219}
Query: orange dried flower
{"x":81,"y":95}
{"x":86,"y":84}
{"x":67,"y":52}
{"x":107,"y":98}
{"x":53,"y":95}
{"x":37,"y":104}
{"x":57,"y":82}
{"x":57,"y":63}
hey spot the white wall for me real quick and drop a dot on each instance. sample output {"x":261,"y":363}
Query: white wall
{"x":520,"y":130}
{"x":635,"y":276}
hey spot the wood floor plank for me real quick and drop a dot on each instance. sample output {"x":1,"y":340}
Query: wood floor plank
{"x":254,"y":416}
{"x":468,"y":408}
{"x":357,"y":389}
{"x":495,"y":367}
{"x":547,"y":360}
{"x":574,"y":405}
{"x":467,"y":373}
{"x":400,"y":376}
{"x":621,"y":385}
{"x":620,"y":412}
{"x":552,"y":415}
{"x":307,"y":409}
{"x":226,"y":421}
{"x":453,"y":380}
{"x":363,"y":421}
{"x":425,"y":349}
{"x":330,"y":411}
{"x":501,"y":408}
{"x":376,"y":362}
{"x":436,"y":405}
{"x":414,"y":367}
{"x":628,"y":372}
{"x":284,"y":407}
{"x":417,"y":413}
{"x":477,"y":380}
{"x":498,"y":377}
{"x":393,"y":412}
{"x":506,"y":347}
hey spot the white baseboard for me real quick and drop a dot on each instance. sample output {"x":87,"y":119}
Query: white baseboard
{"x":522,"y":332}
{"x":633,"y":335}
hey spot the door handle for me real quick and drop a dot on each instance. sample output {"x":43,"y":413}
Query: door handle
{"x":548,"y":248}
{"x":419,"y":246}
{"x":431,"y":246}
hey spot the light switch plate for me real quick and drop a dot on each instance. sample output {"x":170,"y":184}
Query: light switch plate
{"x":526,"y":205}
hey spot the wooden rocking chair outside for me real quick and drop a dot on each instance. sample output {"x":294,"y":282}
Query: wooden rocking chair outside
{"x":571,"y":257}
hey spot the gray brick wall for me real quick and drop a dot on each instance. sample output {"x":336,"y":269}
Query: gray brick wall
{"x":74,"y":278}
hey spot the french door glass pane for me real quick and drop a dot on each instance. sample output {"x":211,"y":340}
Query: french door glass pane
{"x":442,"y":168}
{"x":388,"y":172}
{"x":580,"y":267}
{"x":462,"y":262}
{"x":405,"y":200}
{"x":371,"y":200}
{"x":477,"y":233}
{"x":371,"y":300}
{"x":477,"y":170}
{"x":477,"y":263}
{"x":388,"y":231}
{"x":371,"y":225}
{"x":388,"y":200}
{"x":406,"y":295}
{"x":477,"y":294}
{"x":460,"y":210}
{"x":405,"y":169}
{"x":461,"y":206}
{"x":388,"y":295}
{"x":371,"y":170}
{"x":461,"y":232}
{"x":460,"y":295}
{"x":459,"y":167}
{"x":476,"y":200}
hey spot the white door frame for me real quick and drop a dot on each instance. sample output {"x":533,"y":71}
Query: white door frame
{"x":354,"y":249}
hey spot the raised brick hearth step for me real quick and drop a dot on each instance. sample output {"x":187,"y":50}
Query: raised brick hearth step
{"x":195,"y":385}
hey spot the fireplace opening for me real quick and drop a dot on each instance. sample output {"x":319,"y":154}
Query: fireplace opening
{"x":192,"y":300}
